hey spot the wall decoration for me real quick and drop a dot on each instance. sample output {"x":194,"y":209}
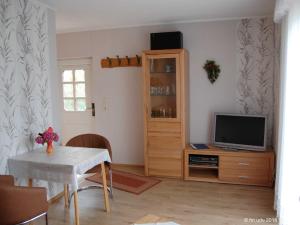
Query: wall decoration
{"x":212,"y":70}
{"x":256,"y":61}
{"x":24,"y":73}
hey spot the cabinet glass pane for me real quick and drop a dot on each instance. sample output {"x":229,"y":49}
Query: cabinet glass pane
{"x":163,"y":88}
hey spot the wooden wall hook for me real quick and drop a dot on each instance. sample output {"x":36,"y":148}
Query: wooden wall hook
{"x":109,"y":61}
{"x":138,"y":59}
{"x":128,"y":60}
{"x":121,"y":62}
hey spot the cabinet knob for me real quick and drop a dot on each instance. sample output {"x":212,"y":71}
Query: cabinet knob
{"x":243,"y":177}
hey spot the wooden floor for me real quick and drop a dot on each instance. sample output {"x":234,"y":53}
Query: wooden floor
{"x":184,"y":202}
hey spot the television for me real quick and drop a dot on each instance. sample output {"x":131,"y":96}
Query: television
{"x":237,"y":131}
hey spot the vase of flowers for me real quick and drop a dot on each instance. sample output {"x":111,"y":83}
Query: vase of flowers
{"x":48,"y":136}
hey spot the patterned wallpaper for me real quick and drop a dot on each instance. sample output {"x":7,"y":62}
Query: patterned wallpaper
{"x":24,"y":74}
{"x":258,"y":51}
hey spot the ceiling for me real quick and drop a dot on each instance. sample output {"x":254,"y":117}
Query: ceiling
{"x":79,"y":15}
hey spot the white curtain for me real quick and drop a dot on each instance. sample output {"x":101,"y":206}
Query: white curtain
{"x":281,"y":9}
{"x":288,"y":164}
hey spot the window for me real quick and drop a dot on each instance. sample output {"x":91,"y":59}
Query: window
{"x":74,"y":93}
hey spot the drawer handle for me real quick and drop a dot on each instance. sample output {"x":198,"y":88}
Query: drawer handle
{"x":243,"y":164}
{"x":243,"y":177}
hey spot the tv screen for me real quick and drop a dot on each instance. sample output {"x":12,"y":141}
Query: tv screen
{"x":240,"y":131}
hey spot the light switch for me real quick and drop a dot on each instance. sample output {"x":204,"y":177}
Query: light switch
{"x":105,"y":104}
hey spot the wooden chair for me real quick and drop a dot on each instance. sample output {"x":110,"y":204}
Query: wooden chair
{"x":92,"y":141}
{"x":21,"y":205}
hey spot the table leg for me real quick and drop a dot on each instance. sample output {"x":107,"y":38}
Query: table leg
{"x":30,"y":182}
{"x":66,"y":195}
{"x":76,"y":208}
{"x":106,"y":200}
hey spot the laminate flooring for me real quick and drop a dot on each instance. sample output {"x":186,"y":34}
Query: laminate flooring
{"x":184,"y":202}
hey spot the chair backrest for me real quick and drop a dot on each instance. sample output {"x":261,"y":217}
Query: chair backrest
{"x":6,"y":180}
{"x":90,"y":141}
{"x":19,"y":204}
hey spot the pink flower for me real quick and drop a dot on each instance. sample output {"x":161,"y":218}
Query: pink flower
{"x":55,"y":137}
{"x":40,"y":140}
{"x":47,"y":136}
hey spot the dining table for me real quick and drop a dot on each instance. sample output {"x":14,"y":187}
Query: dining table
{"x":63,"y":165}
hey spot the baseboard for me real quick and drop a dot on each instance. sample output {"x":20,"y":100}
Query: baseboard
{"x":126,"y":165}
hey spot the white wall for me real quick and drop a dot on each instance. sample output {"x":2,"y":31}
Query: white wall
{"x":54,"y":79}
{"x":122,"y":87}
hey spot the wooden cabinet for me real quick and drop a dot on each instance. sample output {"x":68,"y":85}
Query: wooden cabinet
{"x":165,"y":111}
{"x":237,"y":167}
{"x":248,"y":170}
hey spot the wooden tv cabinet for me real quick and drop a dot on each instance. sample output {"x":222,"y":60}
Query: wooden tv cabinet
{"x":235,"y":167}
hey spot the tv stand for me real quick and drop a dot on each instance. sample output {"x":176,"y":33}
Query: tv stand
{"x":235,"y":167}
{"x":228,"y":148}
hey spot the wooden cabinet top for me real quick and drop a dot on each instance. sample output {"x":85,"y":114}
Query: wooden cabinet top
{"x":219,"y":151}
{"x":165,"y":51}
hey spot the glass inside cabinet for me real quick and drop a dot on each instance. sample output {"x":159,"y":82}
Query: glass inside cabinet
{"x":163,"y":87}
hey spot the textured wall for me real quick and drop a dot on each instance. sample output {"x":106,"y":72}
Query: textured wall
{"x":25,"y":107}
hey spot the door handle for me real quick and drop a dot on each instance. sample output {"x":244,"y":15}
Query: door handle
{"x":92,"y":108}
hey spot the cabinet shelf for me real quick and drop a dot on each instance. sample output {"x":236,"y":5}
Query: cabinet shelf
{"x":162,"y":73}
{"x":163,"y":95}
{"x":203,"y":174}
{"x":203,"y":166}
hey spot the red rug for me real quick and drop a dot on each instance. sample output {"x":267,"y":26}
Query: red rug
{"x":128,"y":182}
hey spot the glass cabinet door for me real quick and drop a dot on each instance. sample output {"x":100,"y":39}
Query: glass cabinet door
{"x":163,"y":87}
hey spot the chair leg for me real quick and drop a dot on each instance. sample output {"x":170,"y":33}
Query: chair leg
{"x":46,"y":218}
{"x":110,"y":180}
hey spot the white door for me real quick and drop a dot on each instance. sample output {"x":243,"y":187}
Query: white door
{"x":78,"y":110}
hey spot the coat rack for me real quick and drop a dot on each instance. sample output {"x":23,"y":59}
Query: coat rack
{"x":121,"y":62}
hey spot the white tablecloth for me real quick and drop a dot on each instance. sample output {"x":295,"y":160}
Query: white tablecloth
{"x":61,"y":166}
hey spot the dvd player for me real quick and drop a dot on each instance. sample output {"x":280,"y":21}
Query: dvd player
{"x":203,"y":160}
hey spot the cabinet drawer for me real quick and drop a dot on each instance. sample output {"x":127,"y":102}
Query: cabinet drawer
{"x":164,"y":153}
{"x":259,"y":177}
{"x":165,"y":167}
{"x":165,"y":142}
{"x":245,"y":163}
{"x":164,"y":127}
